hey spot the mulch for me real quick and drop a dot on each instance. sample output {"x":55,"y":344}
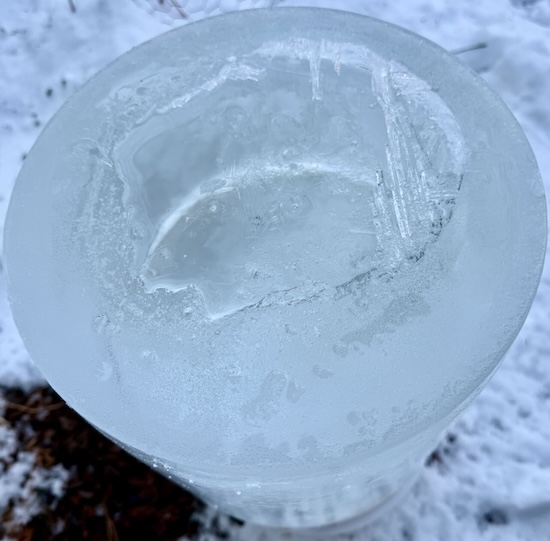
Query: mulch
{"x":109,"y":496}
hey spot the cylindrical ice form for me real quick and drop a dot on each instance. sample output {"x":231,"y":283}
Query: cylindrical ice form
{"x":274,"y":254}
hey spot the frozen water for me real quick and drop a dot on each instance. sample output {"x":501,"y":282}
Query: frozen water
{"x":241,"y":190}
{"x":264,"y":233}
{"x":278,"y":259}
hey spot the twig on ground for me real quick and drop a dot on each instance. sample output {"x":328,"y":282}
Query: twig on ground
{"x":475,"y":47}
{"x":112,"y":534}
{"x":33,"y":411}
{"x":179,"y":9}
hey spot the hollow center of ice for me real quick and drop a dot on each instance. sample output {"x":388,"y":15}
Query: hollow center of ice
{"x":298,"y":176}
{"x":240,"y":239}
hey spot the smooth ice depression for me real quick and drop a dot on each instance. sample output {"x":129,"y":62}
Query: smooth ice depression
{"x":239,"y":189}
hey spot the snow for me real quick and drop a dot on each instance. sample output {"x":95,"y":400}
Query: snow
{"x":491,"y":479}
{"x":22,"y":482}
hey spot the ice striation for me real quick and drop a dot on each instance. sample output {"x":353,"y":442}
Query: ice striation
{"x":414,"y":199}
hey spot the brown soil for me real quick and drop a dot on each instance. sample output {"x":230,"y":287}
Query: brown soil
{"x":110,"y":496}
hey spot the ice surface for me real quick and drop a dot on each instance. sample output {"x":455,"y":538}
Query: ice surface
{"x":228,"y":208}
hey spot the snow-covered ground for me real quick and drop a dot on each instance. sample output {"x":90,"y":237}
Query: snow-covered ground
{"x":491,"y":479}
